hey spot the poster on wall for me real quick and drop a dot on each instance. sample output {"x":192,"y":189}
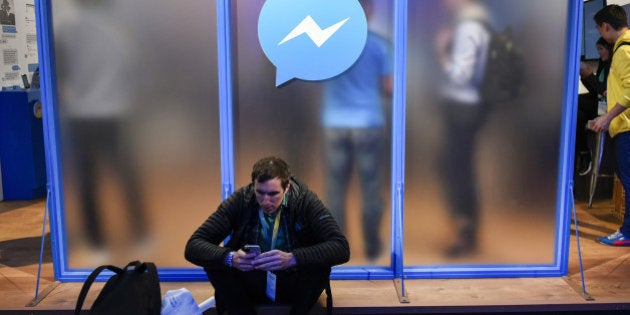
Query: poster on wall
{"x":18,"y":42}
{"x":29,"y":30}
{"x":10,"y":67}
{"x":7,"y":14}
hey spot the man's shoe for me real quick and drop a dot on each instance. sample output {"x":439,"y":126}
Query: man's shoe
{"x":461,"y":249}
{"x":615,"y":239}
{"x":373,"y":251}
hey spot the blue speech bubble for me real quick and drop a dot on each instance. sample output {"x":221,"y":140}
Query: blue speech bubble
{"x":311,"y":39}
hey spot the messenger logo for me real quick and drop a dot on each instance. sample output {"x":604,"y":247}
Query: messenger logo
{"x":311,"y":39}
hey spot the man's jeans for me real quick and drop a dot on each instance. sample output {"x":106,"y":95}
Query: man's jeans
{"x":238,"y":292}
{"x":363,"y":148}
{"x":622,"y":156}
{"x":462,"y":125}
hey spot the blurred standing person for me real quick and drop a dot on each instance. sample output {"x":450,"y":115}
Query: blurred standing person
{"x":462,"y":51}
{"x":612,"y":24}
{"x":354,"y":135}
{"x":588,"y":103}
{"x":95,"y":59}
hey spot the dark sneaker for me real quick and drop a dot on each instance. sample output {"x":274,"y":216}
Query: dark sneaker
{"x":373,"y":250}
{"x":584,"y":163}
{"x":615,"y":239}
{"x":461,"y":249}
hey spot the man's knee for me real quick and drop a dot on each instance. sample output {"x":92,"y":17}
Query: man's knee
{"x":307,"y":288}
{"x":233,"y":293}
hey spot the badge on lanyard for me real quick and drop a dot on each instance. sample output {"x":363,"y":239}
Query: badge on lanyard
{"x":271,"y":277}
{"x":271,"y":286}
{"x":602,"y":107}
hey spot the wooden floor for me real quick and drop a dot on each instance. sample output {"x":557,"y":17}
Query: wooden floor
{"x":607,"y":278}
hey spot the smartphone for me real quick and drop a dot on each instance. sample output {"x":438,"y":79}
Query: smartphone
{"x":252,"y":249}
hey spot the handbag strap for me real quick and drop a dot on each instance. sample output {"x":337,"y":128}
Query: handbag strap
{"x":329,"y":298}
{"x":154,"y":283}
{"x":88,"y":284}
{"x":621,"y":44}
{"x":139,"y":267}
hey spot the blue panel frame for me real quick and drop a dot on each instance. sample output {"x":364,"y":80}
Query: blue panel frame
{"x":398,"y":133}
{"x":46,"y":55}
{"x":55,"y":202}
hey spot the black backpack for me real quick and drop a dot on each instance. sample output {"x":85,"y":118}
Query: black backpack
{"x":132,"y":290}
{"x":504,"y":77}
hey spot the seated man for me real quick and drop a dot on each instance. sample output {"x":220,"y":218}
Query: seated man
{"x":298,"y":238}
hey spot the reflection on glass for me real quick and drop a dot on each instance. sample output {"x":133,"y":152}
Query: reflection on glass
{"x":481,"y":177}
{"x":286,"y":122}
{"x":137,"y":112}
{"x":353,"y":118}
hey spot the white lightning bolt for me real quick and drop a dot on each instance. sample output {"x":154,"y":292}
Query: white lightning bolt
{"x":309,"y":27}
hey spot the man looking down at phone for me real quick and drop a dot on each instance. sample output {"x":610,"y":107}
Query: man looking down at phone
{"x":298,"y":237}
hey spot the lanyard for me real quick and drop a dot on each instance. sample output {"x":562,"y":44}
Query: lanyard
{"x":276,"y":226}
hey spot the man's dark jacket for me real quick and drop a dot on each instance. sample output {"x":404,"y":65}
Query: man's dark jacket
{"x":314,"y":237}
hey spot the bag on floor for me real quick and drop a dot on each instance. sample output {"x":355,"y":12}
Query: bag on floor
{"x":134,"y":289}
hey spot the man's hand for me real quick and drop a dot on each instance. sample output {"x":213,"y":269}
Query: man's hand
{"x":585,"y":70}
{"x":602,"y":123}
{"x":243,"y":261}
{"x":274,"y":260}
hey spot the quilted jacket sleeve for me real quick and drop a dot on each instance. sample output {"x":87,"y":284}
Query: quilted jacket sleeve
{"x":202,"y":249}
{"x":322,"y":242}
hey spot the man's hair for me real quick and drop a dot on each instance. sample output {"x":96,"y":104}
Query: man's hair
{"x":269,"y":168}
{"x":612,"y":14}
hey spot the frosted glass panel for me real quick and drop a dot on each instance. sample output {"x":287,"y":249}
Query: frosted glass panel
{"x":137,"y":96}
{"x":287,"y":122}
{"x":490,"y":173}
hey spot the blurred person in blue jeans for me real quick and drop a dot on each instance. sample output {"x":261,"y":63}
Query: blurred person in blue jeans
{"x":612,"y":24}
{"x":354,"y":135}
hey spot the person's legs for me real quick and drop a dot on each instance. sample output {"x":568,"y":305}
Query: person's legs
{"x":368,"y":145}
{"x":587,"y":110}
{"x":338,"y":170}
{"x":622,"y":151}
{"x":621,"y":237}
{"x":462,"y":126}
{"x":123,"y":160}
{"x":301,"y":288}
{"x":237,"y":292}
{"x":86,"y":135}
